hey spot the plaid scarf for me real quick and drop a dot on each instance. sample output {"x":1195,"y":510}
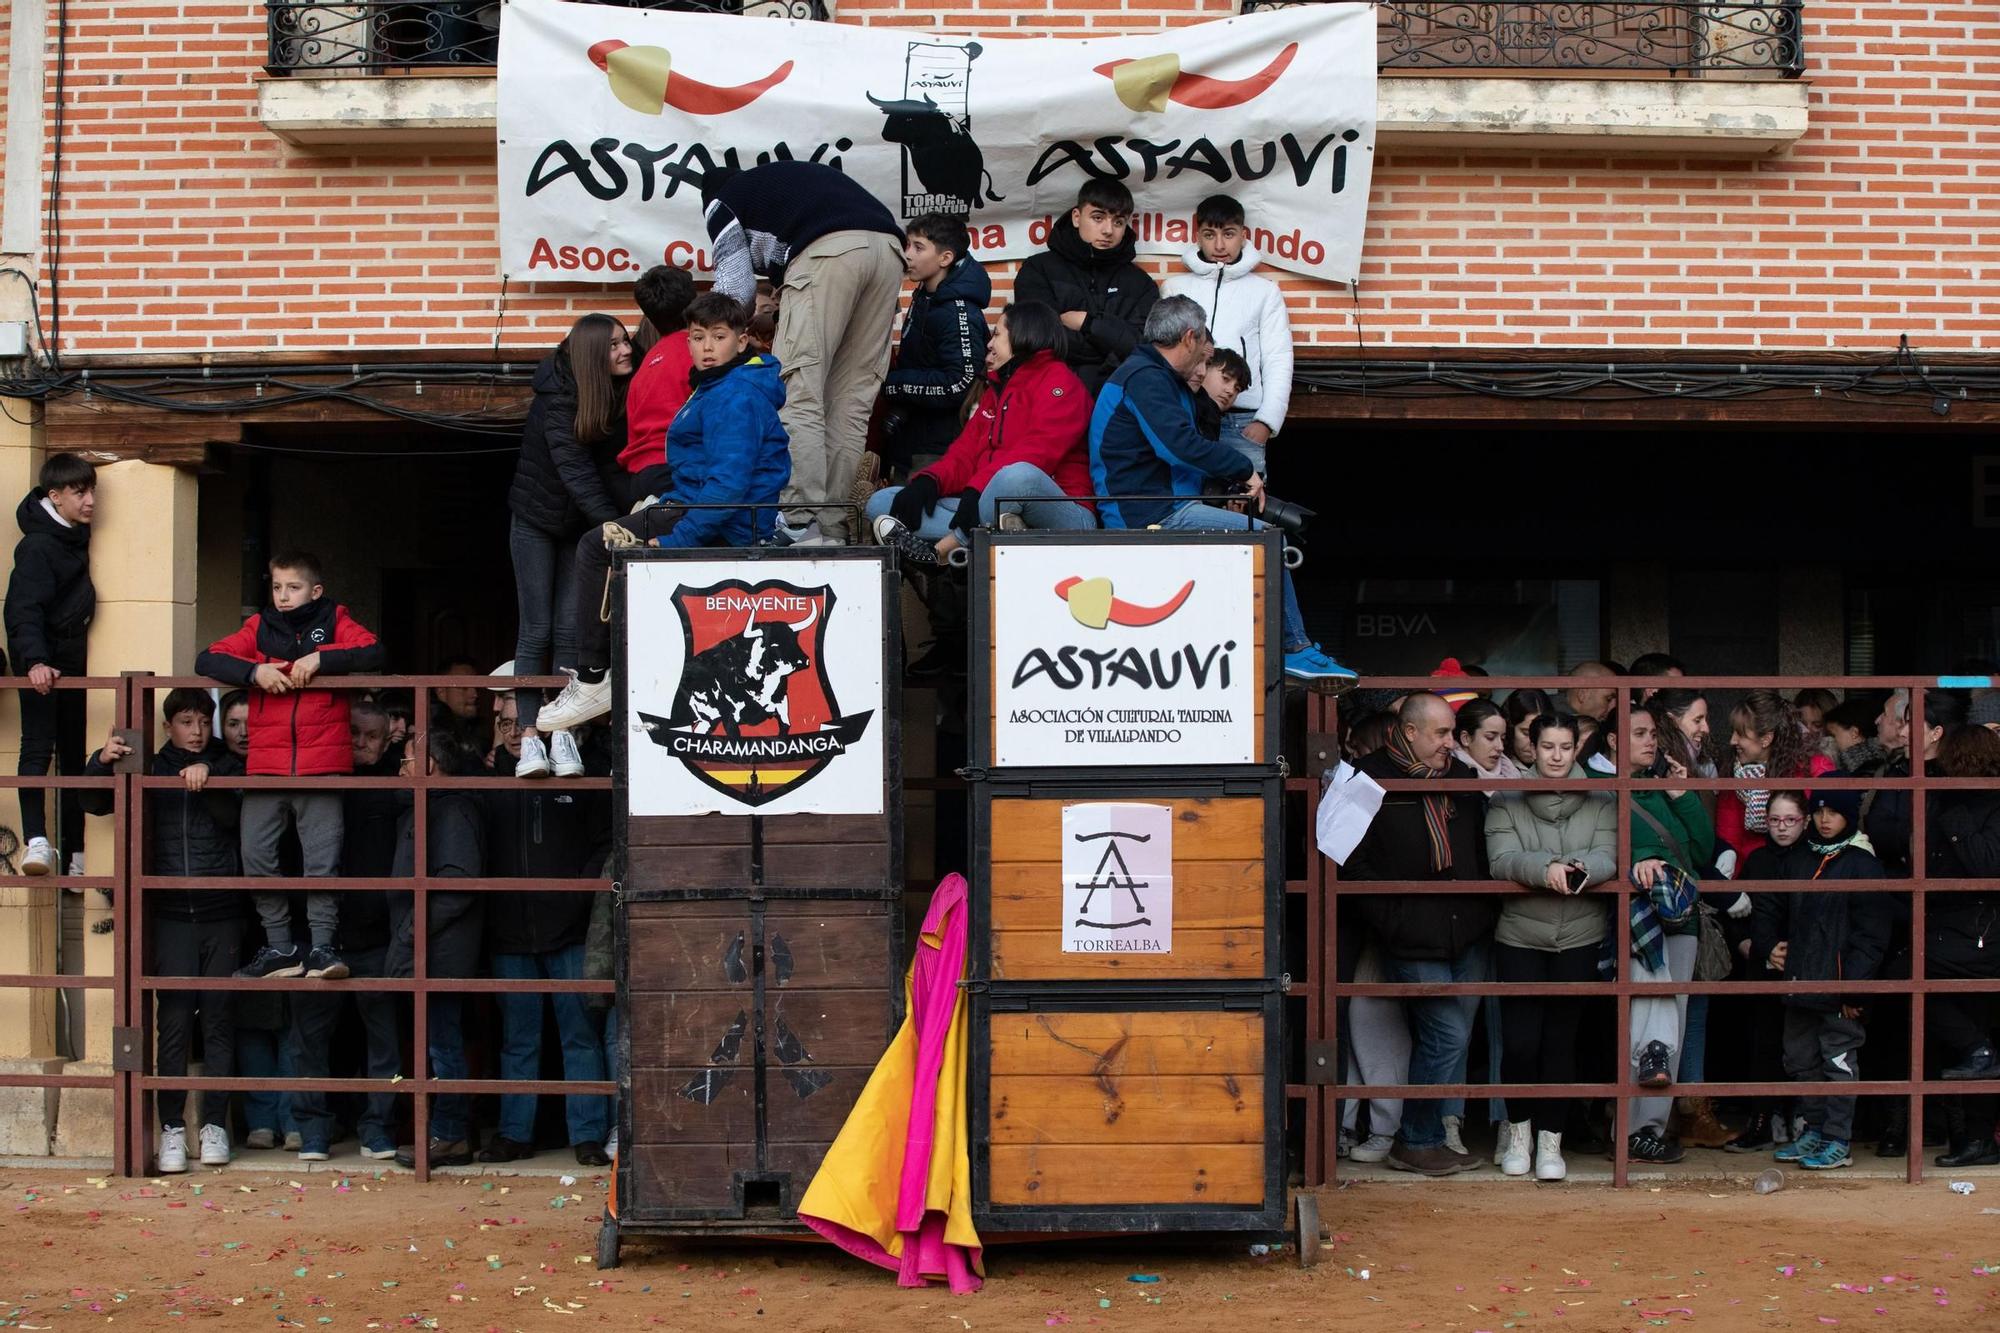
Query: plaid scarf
{"x":1670,"y":901}
{"x":1754,"y":800}
{"x":1438,"y":810}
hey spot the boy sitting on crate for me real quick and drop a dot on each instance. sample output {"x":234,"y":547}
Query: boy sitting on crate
{"x":193,"y":932}
{"x":728,"y":453}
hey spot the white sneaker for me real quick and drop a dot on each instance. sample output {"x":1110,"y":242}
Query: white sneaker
{"x":568,"y":760}
{"x":214,"y":1145}
{"x":579,"y":702}
{"x":40,"y":858}
{"x":1549,"y":1163}
{"x":1452,"y":1138}
{"x":1374,"y":1148}
{"x":534,"y":760}
{"x":1516,"y":1139}
{"x":76,"y":863}
{"x":173,"y":1158}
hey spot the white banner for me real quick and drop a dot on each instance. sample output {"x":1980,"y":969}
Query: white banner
{"x":1126,"y":656}
{"x":609,"y":117}
{"x":753,"y":687}
{"x":1118,"y":878}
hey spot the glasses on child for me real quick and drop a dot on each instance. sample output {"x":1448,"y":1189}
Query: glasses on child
{"x":1787,"y":821}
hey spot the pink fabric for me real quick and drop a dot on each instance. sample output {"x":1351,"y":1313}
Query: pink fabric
{"x":934,"y":979}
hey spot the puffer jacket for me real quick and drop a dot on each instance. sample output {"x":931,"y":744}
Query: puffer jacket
{"x":942,"y":355}
{"x":299,"y":733}
{"x":1963,"y":842}
{"x":1526,"y":832}
{"x":1832,"y":936}
{"x":1038,"y":413}
{"x":50,"y":598}
{"x":192,"y":835}
{"x":1114,"y":294}
{"x":1424,"y":926}
{"x":1246,"y":314}
{"x":561,"y":484}
{"x":728,"y":447}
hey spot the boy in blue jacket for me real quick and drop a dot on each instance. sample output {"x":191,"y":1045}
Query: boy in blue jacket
{"x":726,"y":448}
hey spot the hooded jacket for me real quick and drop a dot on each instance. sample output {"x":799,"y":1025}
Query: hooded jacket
{"x":50,"y":598}
{"x":1526,"y":832}
{"x":1397,"y":847}
{"x":1111,"y":290}
{"x":658,"y":388}
{"x":1143,"y":442}
{"x":192,"y":834}
{"x":727,"y":446}
{"x":562,"y":485}
{"x":1246,"y":313}
{"x":547,"y":833}
{"x":942,"y":355}
{"x":1832,"y":936}
{"x":302,"y":732}
{"x":1036,"y":412}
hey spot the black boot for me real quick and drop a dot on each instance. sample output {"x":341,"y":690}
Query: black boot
{"x":1954,"y":1133}
{"x":1895,"y":1140}
{"x":1756,"y":1136}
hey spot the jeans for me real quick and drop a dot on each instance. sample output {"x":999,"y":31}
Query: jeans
{"x":52,"y":731}
{"x":1442,"y":1032}
{"x":195,"y":949}
{"x":1232,"y":435}
{"x":1004,"y":493}
{"x":589,"y":575}
{"x":315,"y":1014}
{"x":451,"y":1112}
{"x":1694,"y":1046}
{"x":266,"y":1053}
{"x":544,"y":567}
{"x":1209,"y":518}
{"x":521,"y":1044}
{"x":318,"y":818}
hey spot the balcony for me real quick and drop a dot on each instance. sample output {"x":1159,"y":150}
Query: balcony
{"x":1696,"y":77}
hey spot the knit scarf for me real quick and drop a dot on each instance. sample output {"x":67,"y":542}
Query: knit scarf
{"x":1755,"y":800}
{"x":1869,"y":751}
{"x":1437,"y":809}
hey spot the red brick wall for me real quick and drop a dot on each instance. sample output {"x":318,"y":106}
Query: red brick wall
{"x":188,"y":227}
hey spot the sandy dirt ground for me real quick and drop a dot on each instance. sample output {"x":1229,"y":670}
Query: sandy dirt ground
{"x":229,"y":1250}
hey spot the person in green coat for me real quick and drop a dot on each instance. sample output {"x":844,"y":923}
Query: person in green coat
{"x":1670,"y":832}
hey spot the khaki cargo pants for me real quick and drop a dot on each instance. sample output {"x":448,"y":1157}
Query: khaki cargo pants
{"x":834,"y":322}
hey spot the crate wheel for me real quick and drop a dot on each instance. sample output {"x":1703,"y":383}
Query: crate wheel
{"x":607,"y":1244}
{"x":1307,"y":1230}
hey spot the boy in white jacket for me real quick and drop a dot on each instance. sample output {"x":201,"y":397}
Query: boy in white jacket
{"x":1246,"y":314}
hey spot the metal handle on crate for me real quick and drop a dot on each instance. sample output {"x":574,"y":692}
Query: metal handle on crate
{"x":959,"y":558}
{"x":1293,"y":557}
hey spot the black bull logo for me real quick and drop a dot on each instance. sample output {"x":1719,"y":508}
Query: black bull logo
{"x":941,"y":149}
{"x":733,"y":721}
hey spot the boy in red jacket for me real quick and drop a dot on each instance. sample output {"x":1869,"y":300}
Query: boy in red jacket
{"x":295,"y":731}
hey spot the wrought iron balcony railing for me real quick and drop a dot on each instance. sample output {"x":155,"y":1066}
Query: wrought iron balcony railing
{"x":1688,"y":38}
{"x":314,"y":36}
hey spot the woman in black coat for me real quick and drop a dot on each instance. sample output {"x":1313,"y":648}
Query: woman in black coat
{"x":1962,"y":938}
{"x":565,"y":483}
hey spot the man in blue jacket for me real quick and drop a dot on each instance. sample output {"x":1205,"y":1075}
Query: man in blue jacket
{"x":1143,"y":442}
{"x":725,"y":448}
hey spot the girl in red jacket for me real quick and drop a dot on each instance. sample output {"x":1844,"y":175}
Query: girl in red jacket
{"x":295,"y":732}
{"x":1021,"y":461}
{"x":1769,"y":742}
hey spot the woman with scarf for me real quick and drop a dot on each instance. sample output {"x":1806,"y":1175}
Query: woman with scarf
{"x":1481,"y":734}
{"x":1768,"y":740}
{"x":1557,"y":844}
{"x":1671,"y":836}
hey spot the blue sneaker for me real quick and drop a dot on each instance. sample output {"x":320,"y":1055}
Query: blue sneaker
{"x":1831,"y":1155}
{"x":379,"y":1149}
{"x":1802,"y":1147}
{"x":1312,"y":663}
{"x":314,"y":1150}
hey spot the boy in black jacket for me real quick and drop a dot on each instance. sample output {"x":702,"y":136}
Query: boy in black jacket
{"x":1088,"y":277}
{"x":943,"y":352}
{"x":539,"y":936}
{"x":193,"y":932}
{"x":1820,"y":936}
{"x":50,"y":601}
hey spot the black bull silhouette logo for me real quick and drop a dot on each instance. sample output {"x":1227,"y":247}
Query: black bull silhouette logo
{"x":744,"y":679}
{"x":941,"y":149}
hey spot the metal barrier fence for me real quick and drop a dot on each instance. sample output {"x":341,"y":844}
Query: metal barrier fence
{"x":133,"y":1080}
{"x":1323,"y":1050}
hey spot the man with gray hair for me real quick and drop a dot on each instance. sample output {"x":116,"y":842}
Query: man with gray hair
{"x":1143,"y":443}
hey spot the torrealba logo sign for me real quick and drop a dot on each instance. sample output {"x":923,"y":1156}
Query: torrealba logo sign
{"x":1113,"y":654}
{"x":755,"y":714}
{"x":739,"y":685}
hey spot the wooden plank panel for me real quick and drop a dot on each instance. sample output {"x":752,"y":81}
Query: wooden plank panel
{"x":1036,"y":955}
{"x":807,"y":949}
{"x":1226,"y":828}
{"x":1164,"y":1043}
{"x":783,"y":830}
{"x":1072,"y":1175}
{"x":828,"y":1027}
{"x":687,"y":831}
{"x":683,"y":1029}
{"x":682,"y":867}
{"x":799,"y":1161}
{"x":684,"y":1176}
{"x":668,"y":1105}
{"x":1207,"y":895}
{"x":826,"y":866}
{"x":698,"y":952}
{"x":1129,"y":1108}
{"x":809,"y":1103}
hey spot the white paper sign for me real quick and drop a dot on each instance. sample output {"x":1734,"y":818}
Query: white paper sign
{"x":1347,"y":806}
{"x":1118,"y":878}
{"x":609,"y":117}
{"x":1128,"y":655}
{"x":754,"y":687}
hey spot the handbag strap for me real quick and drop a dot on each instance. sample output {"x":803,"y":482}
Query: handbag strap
{"x":1665,"y":832}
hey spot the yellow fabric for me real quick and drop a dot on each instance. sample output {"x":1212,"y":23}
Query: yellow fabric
{"x":859,"y":1181}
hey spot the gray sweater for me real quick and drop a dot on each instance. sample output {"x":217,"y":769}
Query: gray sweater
{"x":1526,"y":832}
